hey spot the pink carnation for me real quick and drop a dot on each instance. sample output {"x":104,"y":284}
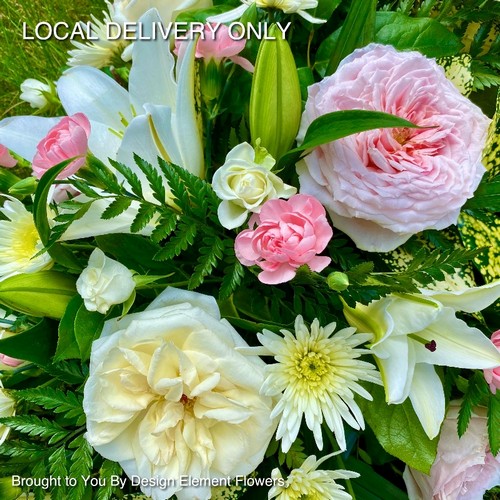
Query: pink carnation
{"x":6,"y":160}
{"x":493,"y":376}
{"x":382,"y":186}
{"x":464,"y":467}
{"x":289,"y":233}
{"x":67,"y":139}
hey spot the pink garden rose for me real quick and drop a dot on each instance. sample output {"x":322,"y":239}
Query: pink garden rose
{"x":493,"y":376}
{"x":382,"y":186}
{"x":6,"y":159}
{"x":219,"y":46}
{"x":67,"y":139}
{"x":285,"y":235}
{"x":464,"y":467}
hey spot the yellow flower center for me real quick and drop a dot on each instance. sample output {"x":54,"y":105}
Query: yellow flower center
{"x":311,"y":366}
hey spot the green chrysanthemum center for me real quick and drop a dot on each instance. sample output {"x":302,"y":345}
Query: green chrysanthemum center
{"x":311,"y":366}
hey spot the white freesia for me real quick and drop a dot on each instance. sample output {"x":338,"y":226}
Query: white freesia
{"x":288,"y":6}
{"x":245,"y":182}
{"x":411,"y":333}
{"x":32,"y":92}
{"x":155,"y":118}
{"x":104,"y":282}
{"x":20,"y":242}
{"x":169,"y":395}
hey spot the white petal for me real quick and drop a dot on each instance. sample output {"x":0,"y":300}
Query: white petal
{"x":152,"y":74}
{"x":90,"y":91}
{"x":469,"y":300}
{"x":185,"y":120}
{"x":457,"y":344}
{"x":427,"y":398}
{"x":393,"y":360}
{"x":23,"y":133}
{"x":227,"y":17}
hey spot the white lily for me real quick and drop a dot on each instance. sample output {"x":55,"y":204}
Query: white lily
{"x":156,"y":117}
{"x":411,"y":333}
{"x":287,"y":6}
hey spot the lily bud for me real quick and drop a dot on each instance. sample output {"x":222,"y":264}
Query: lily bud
{"x":46,"y":293}
{"x":275,"y":103}
{"x":24,"y":187}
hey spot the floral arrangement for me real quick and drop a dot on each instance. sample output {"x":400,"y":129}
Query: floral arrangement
{"x":250,"y":249}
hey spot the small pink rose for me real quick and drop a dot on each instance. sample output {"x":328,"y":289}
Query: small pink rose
{"x":216,"y":43}
{"x":6,"y":159}
{"x":67,"y":139}
{"x":289,"y":234}
{"x":492,"y":376}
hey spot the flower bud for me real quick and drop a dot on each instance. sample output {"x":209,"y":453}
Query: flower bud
{"x":337,"y":281}
{"x":46,"y":293}
{"x":24,"y":187}
{"x":39,"y":95}
{"x":275,"y":103}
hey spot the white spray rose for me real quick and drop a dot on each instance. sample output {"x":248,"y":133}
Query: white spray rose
{"x":104,"y":282}
{"x":245,"y":182}
{"x":169,"y":395}
{"x":33,"y":92}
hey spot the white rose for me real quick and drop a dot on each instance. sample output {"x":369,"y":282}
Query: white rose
{"x":104,"y":282}
{"x":169,"y":395}
{"x":32,"y":92}
{"x":244,"y":183}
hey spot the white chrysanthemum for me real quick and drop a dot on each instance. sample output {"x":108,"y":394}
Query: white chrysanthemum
{"x":97,"y":53}
{"x":317,"y":374}
{"x":20,"y":242}
{"x":308,"y":482}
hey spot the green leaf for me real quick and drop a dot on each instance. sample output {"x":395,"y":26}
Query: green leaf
{"x":70,"y":404}
{"x":132,"y":251}
{"x":81,"y":466}
{"x":107,"y":470}
{"x":88,"y":327}
{"x":357,"y":31}
{"x":130,"y":176}
{"x":399,"y":431}
{"x":40,"y":217}
{"x":23,"y":449}
{"x":339,"y":124}
{"x":37,"y":344}
{"x":494,"y":422}
{"x":103,"y":177}
{"x":486,"y":196}
{"x":164,"y":227}
{"x":156,"y":181}
{"x":66,"y":343}
{"x":36,"y":426}
{"x":210,"y":254}
{"x":233,"y":273}
{"x":424,"y":34}
{"x":372,"y":485}
{"x":477,"y":389}
{"x":116,"y":207}
{"x":182,"y":239}
{"x":58,"y":469}
{"x":145,"y":213}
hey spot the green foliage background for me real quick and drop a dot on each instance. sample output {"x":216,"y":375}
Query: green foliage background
{"x":21,"y":59}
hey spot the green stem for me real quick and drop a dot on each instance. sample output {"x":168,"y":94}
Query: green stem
{"x":338,"y":457}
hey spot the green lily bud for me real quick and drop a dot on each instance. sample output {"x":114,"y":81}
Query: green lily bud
{"x":46,"y":293}
{"x":211,"y":79}
{"x":337,"y":281}
{"x":24,"y":187}
{"x":275,"y":104}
